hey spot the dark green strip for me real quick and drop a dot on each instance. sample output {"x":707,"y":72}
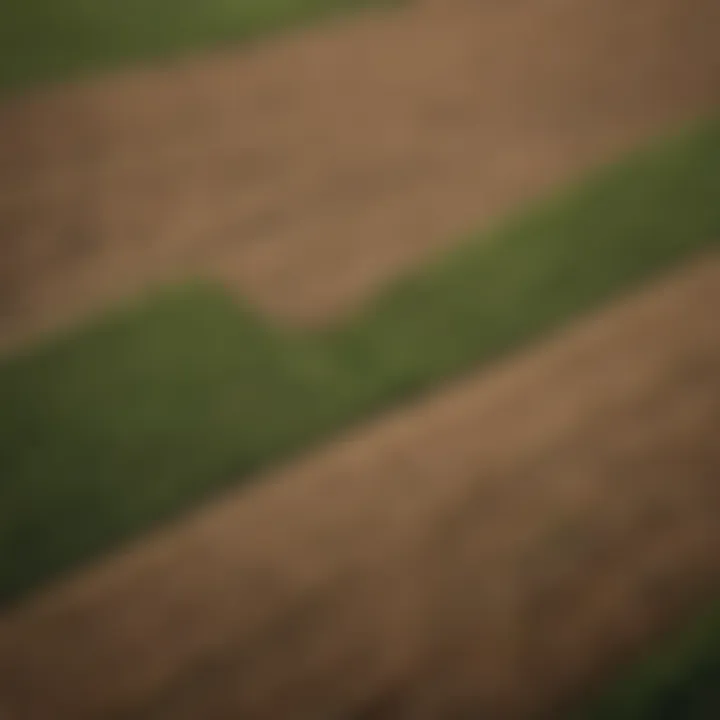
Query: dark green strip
{"x":48,"y":40}
{"x":111,"y":429}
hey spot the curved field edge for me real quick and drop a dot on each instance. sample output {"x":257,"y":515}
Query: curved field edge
{"x":115,"y":427}
{"x":42,"y":40}
{"x":680,"y":681}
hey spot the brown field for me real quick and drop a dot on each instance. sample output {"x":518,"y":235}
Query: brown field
{"x":485,"y":553}
{"x":308,"y":170}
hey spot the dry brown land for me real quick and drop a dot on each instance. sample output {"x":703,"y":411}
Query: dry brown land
{"x":306,"y":171}
{"x":484,"y":553}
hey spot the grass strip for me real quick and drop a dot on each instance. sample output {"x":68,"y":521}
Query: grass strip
{"x":49,"y":40}
{"x":117,"y":426}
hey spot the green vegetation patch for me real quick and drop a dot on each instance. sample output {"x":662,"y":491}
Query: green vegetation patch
{"x":113,"y":428}
{"x":47,"y":40}
{"x":679,"y":682}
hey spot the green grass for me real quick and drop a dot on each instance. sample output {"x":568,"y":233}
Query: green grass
{"x":681,"y":681}
{"x":115,"y":427}
{"x":46,"y":40}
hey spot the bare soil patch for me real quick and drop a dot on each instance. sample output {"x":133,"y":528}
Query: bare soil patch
{"x":306,"y":171}
{"x":487,"y":552}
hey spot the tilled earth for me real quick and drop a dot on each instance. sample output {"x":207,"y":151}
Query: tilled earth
{"x":488,"y":552}
{"x":306,"y":171}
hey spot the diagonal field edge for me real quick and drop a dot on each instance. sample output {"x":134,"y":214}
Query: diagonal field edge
{"x":114,"y":427}
{"x":514,"y":500}
{"x":681,"y":679}
{"x":43,"y":41}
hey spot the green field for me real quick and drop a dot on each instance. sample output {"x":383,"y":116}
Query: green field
{"x":47,"y":40}
{"x":680,"y":681}
{"x":115,"y":427}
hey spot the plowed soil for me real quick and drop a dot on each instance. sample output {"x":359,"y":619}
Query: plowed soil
{"x":485,"y":553}
{"x":488,"y":552}
{"x":306,"y":171}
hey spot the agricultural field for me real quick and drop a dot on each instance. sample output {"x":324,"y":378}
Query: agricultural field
{"x":404,"y":323}
{"x":198,"y":391}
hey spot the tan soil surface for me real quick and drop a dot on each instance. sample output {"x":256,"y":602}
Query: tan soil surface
{"x":485,"y":553}
{"x":307,"y":170}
